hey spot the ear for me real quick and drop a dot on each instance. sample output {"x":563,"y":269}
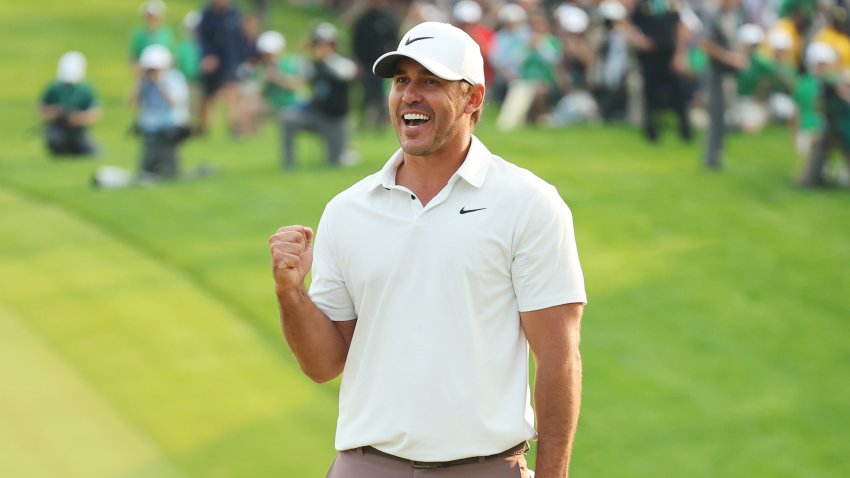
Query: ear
{"x":475,"y":100}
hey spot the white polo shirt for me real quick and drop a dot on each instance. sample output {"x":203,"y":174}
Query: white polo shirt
{"x":438,"y":365}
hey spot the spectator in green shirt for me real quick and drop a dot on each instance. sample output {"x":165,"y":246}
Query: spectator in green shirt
{"x":153,"y":32}
{"x":823,"y":121}
{"x":751,"y":80}
{"x":754,"y":81}
{"x":188,"y":62}
{"x":281,"y":77}
{"x":68,"y":107}
{"x":540,"y":67}
{"x":188,"y":49}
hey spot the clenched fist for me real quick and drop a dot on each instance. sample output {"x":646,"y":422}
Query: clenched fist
{"x":292,"y":256}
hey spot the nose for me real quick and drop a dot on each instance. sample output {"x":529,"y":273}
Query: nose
{"x":411,"y":94}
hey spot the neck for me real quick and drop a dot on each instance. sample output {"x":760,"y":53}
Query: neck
{"x":426,"y":176}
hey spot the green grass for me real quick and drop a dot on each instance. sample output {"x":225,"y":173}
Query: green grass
{"x":139,"y":335}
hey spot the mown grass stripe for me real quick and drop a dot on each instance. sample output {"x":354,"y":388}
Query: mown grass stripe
{"x":56,"y":424}
{"x":172,"y":361}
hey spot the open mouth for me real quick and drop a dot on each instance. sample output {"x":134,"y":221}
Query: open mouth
{"x":413,"y":120}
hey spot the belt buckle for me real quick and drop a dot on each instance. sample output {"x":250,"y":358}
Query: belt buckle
{"x":424,"y":465}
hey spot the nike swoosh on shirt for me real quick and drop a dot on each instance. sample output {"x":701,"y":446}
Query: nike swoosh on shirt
{"x":411,"y":40}
{"x":463,"y":210}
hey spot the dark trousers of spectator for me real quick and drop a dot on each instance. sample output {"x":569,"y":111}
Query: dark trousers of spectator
{"x":813,"y":170}
{"x":332,"y":129}
{"x":159,"y":154}
{"x":63,"y":140}
{"x":663,"y":88}
{"x":374,"y":109}
{"x":612,"y":102}
{"x":713,"y":155}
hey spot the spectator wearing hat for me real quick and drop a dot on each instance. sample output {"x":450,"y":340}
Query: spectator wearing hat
{"x":783,"y":80}
{"x":577,"y":103}
{"x":223,"y":48}
{"x":754,"y":81}
{"x":329,"y":76}
{"x":835,"y":34}
{"x":823,"y":123}
{"x":659,"y":35}
{"x":374,"y":31}
{"x":541,"y":67}
{"x":154,"y":31}
{"x":578,"y":56}
{"x":612,"y":62}
{"x":162,"y":99}
{"x":750,"y":37}
{"x":188,"y":61}
{"x":468,"y":16}
{"x":796,"y":17}
{"x":510,"y":48}
{"x":68,"y":107}
{"x":280,"y":77}
{"x":725,"y":61}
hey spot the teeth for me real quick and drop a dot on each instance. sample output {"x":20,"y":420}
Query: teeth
{"x":415,"y":116}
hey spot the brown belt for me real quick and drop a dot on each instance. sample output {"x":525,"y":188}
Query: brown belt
{"x":516,"y":450}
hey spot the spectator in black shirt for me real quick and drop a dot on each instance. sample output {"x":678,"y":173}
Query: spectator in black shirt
{"x":223,"y":49}
{"x":658,"y":34}
{"x":326,"y":114}
{"x":374,"y":32}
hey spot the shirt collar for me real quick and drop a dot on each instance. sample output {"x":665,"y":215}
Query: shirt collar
{"x":473,"y":170}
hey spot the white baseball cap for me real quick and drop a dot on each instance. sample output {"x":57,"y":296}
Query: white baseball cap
{"x":71,"y":68}
{"x":572,"y":19}
{"x":612,"y":10}
{"x":780,"y":40}
{"x":152,"y":7}
{"x":155,"y":57}
{"x":820,"y":52}
{"x":445,"y":50}
{"x":192,"y":19}
{"x":467,"y":11}
{"x":512,"y":13}
{"x":324,"y":32}
{"x":271,"y":42}
{"x":751,"y":34}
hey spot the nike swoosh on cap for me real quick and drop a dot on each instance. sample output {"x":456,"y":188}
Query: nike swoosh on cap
{"x":463,"y":210}
{"x":411,"y":40}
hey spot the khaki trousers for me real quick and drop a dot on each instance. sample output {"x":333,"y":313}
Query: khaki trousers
{"x":356,"y":464}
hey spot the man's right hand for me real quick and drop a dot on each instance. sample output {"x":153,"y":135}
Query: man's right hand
{"x":292,"y":256}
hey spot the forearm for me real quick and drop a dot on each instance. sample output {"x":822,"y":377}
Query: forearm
{"x":718,"y":53}
{"x":637,"y":39}
{"x":557,"y":399}
{"x":83,"y":118}
{"x":50,"y":112}
{"x":314,"y":339}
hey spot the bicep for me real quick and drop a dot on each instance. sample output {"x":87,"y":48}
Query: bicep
{"x":553,"y":333}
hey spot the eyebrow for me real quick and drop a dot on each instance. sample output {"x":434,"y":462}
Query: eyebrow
{"x":421,"y":71}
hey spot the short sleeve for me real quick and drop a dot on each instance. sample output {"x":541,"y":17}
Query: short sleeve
{"x":50,"y":95}
{"x":327,"y":289}
{"x":89,"y":98}
{"x":545,"y":269}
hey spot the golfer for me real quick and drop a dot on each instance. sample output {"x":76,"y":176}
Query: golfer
{"x":430,"y":280}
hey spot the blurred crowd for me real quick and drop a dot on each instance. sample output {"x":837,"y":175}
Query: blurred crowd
{"x":715,"y":65}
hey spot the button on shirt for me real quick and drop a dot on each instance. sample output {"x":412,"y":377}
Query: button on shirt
{"x":438,"y":364}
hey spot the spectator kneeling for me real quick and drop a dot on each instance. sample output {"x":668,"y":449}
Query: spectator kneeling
{"x":162,"y":98}
{"x":68,"y":107}
{"x":329,"y":76}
